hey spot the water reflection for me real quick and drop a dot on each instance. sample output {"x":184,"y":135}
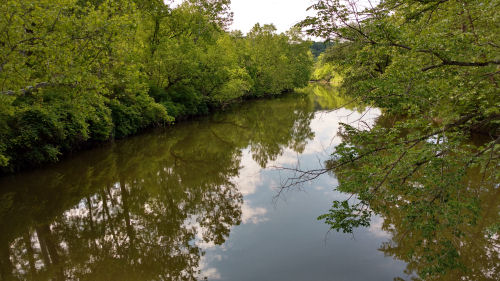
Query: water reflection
{"x":449,"y":233}
{"x":195,"y":201}
{"x":144,"y":208}
{"x":458,"y":250}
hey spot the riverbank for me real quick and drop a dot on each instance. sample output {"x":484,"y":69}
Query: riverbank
{"x":76,"y":148}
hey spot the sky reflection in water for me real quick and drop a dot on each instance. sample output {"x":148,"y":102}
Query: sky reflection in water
{"x":280,"y":238}
{"x":192,"y":201}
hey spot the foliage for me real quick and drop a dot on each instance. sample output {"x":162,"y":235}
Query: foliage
{"x":323,"y":70}
{"x":43,"y":127}
{"x":76,"y":72}
{"x":328,"y":97}
{"x":432,"y":68}
{"x":317,"y":48}
{"x":268,"y":56}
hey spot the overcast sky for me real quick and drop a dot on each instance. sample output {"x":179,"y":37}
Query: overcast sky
{"x":282,"y":13}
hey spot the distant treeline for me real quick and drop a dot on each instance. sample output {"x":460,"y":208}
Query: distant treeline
{"x":317,"y":48}
{"x":75,"y":72}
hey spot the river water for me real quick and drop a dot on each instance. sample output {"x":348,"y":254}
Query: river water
{"x":198,"y":200}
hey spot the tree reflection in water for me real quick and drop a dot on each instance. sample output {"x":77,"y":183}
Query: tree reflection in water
{"x":138,"y":209}
{"x":457,"y":250}
{"x":444,"y":225}
{"x":143,"y":208}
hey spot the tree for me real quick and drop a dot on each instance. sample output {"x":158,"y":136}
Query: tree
{"x":217,"y":11}
{"x":63,"y":65}
{"x":276,"y":62}
{"x":432,"y":68}
{"x":75,"y":72}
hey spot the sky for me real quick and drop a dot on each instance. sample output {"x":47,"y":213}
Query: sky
{"x":282,"y":13}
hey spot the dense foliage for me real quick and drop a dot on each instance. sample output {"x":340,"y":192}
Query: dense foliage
{"x":324,"y":70}
{"x":432,"y":67}
{"x":77,"y":72}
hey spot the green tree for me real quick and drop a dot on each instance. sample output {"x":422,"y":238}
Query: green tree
{"x":74,"y":72}
{"x":432,"y":68}
{"x":217,"y":11}
{"x":276,"y":62}
{"x":63,"y":65}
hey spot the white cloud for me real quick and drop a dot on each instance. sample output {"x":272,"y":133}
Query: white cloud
{"x":252,"y":215}
{"x":206,"y":272}
{"x":376,"y":228}
{"x":249,"y":176}
{"x":325,"y":126}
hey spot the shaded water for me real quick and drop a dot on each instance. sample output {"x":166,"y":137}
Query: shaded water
{"x":197,"y":200}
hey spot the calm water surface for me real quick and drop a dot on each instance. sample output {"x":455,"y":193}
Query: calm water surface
{"x":198,"y":200}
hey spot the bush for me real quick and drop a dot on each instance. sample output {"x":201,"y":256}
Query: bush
{"x":180,"y":100}
{"x":135,"y":112}
{"x":43,"y":126}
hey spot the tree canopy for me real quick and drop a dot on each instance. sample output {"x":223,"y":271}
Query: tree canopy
{"x":432,"y":67}
{"x":76,"y":72}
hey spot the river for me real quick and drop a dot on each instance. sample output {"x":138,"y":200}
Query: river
{"x":197,"y":200}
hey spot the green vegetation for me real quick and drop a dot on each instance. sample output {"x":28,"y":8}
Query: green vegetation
{"x":139,"y":209}
{"x":432,"y":67}
{"x":74,"y":72}
{"x":317,"y":48}
{"x":324,"y":70}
